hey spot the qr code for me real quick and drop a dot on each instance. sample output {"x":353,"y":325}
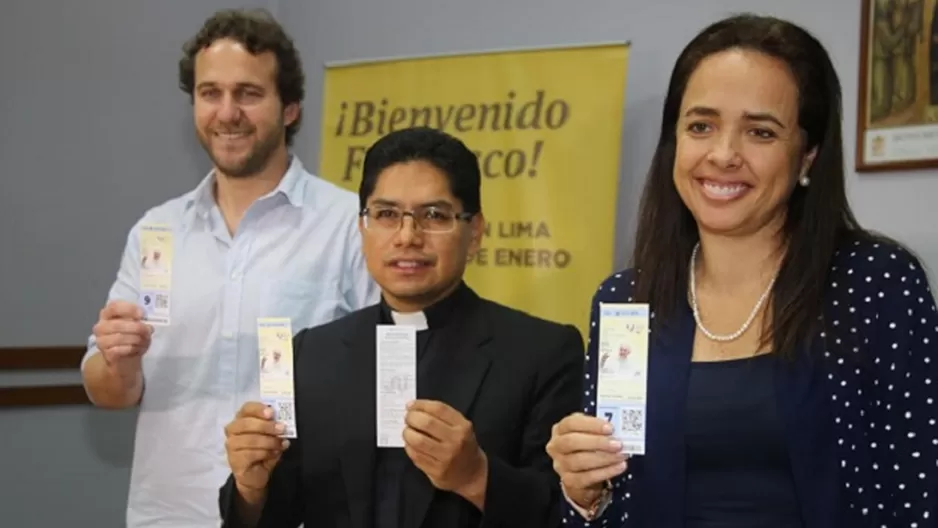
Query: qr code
{"x":633,"y":421}
{"x":284,"y":411}
{"x":162,"y":301}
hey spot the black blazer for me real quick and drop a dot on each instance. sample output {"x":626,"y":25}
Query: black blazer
{"x":512,"y":375}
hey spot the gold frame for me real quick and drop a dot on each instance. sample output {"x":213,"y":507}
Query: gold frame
{"x":921,"y":107}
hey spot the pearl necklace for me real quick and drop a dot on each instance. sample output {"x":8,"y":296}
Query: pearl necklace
{"x":693,"y":301}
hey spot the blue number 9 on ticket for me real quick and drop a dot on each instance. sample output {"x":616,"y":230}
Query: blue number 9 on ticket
{"x":156,"y":273}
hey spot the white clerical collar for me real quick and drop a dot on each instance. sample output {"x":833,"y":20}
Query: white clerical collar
{"x":418,"y":319}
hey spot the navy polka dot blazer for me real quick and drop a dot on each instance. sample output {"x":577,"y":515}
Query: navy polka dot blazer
{"x":859,"y":410}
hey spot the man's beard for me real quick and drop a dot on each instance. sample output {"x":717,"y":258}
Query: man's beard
{"x":256,"y":160}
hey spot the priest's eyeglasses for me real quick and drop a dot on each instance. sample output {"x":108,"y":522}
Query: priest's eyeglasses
{"x":430,"y":219}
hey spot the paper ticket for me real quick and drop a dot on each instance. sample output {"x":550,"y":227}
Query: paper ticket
{"x":622,"y":377}
{"x":396,"y":365}
{"x":275,"y":353}
{"x":156,"y":273}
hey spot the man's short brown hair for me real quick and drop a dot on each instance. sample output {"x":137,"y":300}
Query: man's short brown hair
{"x":258,"y":32}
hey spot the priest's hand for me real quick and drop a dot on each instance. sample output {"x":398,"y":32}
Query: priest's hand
{"x":442,"y":444}
{"x":254,"y":446}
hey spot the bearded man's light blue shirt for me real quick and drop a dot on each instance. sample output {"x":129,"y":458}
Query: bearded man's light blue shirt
{"x":296,"y":253}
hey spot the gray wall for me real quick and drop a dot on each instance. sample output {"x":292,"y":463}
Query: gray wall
{"x":94,"y":131}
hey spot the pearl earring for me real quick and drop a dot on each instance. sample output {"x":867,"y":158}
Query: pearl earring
{"x":804,"y":181}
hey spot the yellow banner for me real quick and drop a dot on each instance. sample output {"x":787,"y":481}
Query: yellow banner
{"x":546,"y":125}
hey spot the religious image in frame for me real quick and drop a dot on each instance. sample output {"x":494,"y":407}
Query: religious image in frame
{"x":897,"y":118}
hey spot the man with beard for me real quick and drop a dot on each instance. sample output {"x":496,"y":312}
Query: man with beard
{"x":258,"y":237}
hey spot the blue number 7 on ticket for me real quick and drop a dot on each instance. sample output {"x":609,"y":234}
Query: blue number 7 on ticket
{"x":622,"y":377}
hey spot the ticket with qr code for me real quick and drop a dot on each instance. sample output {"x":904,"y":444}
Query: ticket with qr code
{"x":156,"y":273}
{"x":275,"y":356}
{"x":622,"y":372}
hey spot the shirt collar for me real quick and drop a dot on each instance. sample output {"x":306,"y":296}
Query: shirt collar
{"x":292,"y":186}
{"x":434,"y":316}
{"x":418,"y":319}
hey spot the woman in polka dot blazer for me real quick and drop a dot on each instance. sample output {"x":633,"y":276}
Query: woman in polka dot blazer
{"x":790,"y":372}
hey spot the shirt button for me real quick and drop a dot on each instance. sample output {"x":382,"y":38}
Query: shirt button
{"x":235,"y":275}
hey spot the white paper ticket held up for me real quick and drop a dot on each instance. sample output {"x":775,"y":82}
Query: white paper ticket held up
{"x":156,"y":273}
{"x":396,"y":381}
{"x":621,"y":386}
{"x":275,"y":352}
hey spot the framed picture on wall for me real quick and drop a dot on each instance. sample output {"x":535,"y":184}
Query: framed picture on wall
{"x":897,"y":116}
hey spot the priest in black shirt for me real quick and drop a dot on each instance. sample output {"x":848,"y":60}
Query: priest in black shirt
{"x":491,"y":380}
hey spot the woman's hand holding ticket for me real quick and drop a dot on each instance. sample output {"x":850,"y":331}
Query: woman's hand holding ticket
{"x":585,"y":455}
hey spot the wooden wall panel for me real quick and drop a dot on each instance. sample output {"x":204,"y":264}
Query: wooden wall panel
{"x":39,"y":359}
